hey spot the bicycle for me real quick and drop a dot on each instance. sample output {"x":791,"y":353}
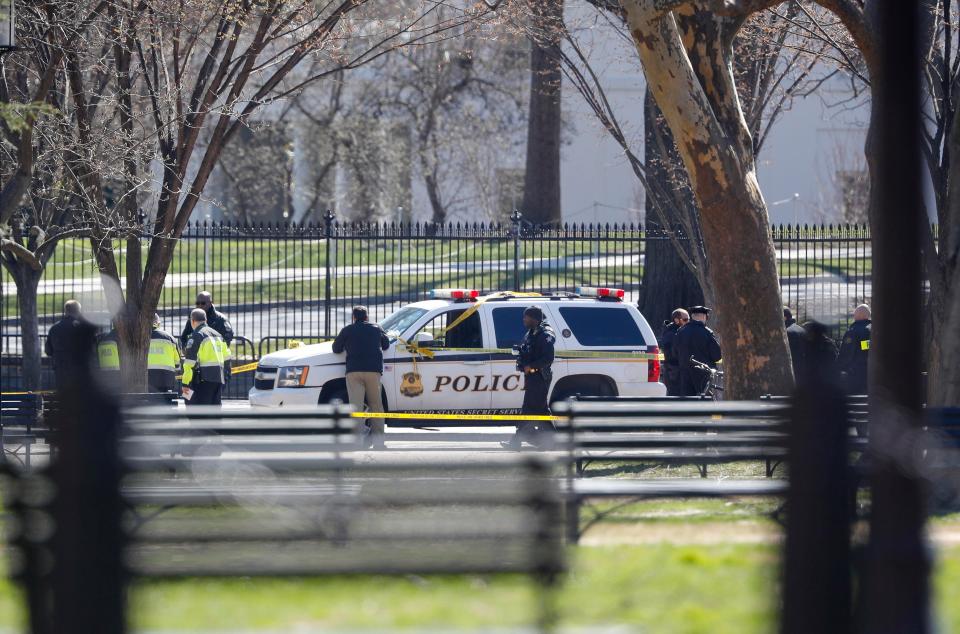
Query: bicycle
{"x":713,"y":386}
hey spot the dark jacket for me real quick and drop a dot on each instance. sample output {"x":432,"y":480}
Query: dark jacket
{"x":215,"y":320}
{"x":820,"y":354}
{"x":58,"y":338}
{"x":536,"y":350}
{"x":671,"y":362}
{"x":364,"y":344}
{"x":58,"y":345}
{"x":698,"y":341}
{"x":796,"y":337}
{"x":854,"y":353}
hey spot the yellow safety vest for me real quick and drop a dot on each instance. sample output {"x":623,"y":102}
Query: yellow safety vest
{"x":207,"y":350}
{"x":164,"y":353}
{"x":108,"y":352}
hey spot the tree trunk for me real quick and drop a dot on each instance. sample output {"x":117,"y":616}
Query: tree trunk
{"x":668,"y":281}
{"x":717,"y":151}
{"x":541,"y":185}
{"x":27,"y":279}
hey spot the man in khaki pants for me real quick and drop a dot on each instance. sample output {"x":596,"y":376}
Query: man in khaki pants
{"x":364,"y":344}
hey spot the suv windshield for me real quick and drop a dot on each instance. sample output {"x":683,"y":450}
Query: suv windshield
{"x":399,"y":321}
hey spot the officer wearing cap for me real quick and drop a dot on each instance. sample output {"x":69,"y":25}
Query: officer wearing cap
{"x":699,"y":342}
{"x":204,"y":358}
{"x":534,"y":361}
{"x":163,"y":360}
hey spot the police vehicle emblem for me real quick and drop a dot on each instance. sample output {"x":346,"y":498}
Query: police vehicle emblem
{"x":411,"y":385}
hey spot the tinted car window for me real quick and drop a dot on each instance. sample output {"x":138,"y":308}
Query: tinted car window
{"x":595,"y":326}
{"x":508,"y":325}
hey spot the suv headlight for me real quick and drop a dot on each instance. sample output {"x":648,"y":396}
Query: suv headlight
{"x":293,"y":376}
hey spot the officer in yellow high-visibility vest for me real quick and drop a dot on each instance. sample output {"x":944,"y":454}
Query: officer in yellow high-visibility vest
{"x":108,"y":358}
{"x":164,"y":359}
{"x":203,"y":365}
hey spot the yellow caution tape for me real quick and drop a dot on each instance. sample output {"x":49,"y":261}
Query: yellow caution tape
{"x":425,"y":415}
{"x":244,"y":368}
{"x":28,"y":393}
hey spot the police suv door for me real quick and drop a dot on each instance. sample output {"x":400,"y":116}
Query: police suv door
{"x":455,"y":378}
{"x":504,"y":323}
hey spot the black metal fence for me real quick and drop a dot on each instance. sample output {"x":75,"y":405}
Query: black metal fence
{"x":280,"y":283}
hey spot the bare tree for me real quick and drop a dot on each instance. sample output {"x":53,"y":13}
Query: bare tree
{"x":186,"y":78}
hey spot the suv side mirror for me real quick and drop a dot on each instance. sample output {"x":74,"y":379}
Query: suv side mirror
{"x":423,"y":338}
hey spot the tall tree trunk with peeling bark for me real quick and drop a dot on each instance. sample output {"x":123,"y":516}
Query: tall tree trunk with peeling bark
{"x":541,"y":186}
{"x":685,"y":57}
{"x":668,"y":280}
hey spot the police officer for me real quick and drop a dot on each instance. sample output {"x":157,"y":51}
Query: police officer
{"x":796,"y":337}
{"x":164,"y":359}
{"x":215,"y":320}
{"x":534,"y":361}
{"x":855,"y":351}
{"x":697,"y":341}
{"x":671,"y":362}
{"x":57,"y":344}
{"x":204,"y":358}
{"x":108,"y":358}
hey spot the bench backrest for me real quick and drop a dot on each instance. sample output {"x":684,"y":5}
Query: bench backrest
{"x":20,"y":409}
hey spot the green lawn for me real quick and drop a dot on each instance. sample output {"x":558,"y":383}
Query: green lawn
{"x":658,"y":588}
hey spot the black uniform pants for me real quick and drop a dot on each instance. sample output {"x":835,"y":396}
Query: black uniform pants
{"x":671,"y":378}
{"x":535,"y":392}
{"x":161,"y":381}
{"x":692,"y":381}
{"x":206,"y":394}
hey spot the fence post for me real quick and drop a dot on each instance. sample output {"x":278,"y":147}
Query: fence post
{"x":328,"y":233}
{"x":515,"y":218}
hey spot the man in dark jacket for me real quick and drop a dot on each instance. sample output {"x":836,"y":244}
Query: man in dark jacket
{"x":855,"y":351}
{"x":671,"y":362}
{"x":364,"y":344}
{"x":796,"y":336}
{"x":699,"y":342}
{"x":58,"y":341}
{"x":535,"y":361}
{"x":215,"y":320}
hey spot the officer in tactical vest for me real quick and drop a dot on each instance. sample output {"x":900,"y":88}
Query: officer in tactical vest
{"x":203,"y":366}
{"x":855,"y":352}
{"x":534,"y":360}
{"x":699,"y":342}
{"x":108,"y":358}
{"x":163,"y":361}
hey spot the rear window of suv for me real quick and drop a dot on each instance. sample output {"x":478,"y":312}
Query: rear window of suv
{"x":508,"y":325}
{"x":595,"y":326}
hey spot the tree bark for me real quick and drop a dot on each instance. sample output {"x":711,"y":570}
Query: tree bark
{"x":26,"y":280}
{"x":716,"y":149}
{"x":668,"y":281}
{"x":541,"y":186}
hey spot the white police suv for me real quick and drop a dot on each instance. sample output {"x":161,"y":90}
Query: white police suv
{"x":454,"y":353}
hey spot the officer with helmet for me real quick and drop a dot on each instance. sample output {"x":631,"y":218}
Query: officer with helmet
{"x":203,"y":367}
{"x":534,"y":361}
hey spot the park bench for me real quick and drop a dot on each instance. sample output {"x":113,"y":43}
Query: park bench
{"x":21,"y":426}
{"x":290,"y":499}
{"x":674,"y":430}
{"x":677,"y":430}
